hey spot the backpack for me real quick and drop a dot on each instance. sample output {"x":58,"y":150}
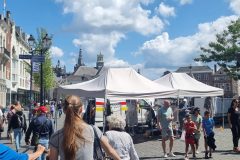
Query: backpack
{"x":42,"y":131}
{"x":20,"y":121}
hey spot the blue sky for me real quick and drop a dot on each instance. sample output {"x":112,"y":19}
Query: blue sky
{"x":152,"y":35}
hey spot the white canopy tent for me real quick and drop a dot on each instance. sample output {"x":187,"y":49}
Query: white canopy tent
{"x":119,"y":83}
{"x":188,"y":86}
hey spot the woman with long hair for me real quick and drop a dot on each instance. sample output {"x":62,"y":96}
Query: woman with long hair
{"x":234,"y":123}
{"x":75,"y":140}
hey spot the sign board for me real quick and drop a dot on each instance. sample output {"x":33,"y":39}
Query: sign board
{"x":38,"y":58}
{"x":35,"y":67}
{"x":25,"y":56}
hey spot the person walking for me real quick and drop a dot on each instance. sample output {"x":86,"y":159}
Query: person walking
{"x":234,"y":123}
{"x":197,"y":119}
{"x":190,"y":128}
{"x":164,"y":122}
{"x":52,"y":109}
{"x":10,"y":113}
{"x":75,"y":140}
{"x":2,"y":119}
{"x":120,"y":140}
{"x":209,"y":141}
{"x":42,"y":129}
{"x":18,"y":124}
{"x":60,"y":110}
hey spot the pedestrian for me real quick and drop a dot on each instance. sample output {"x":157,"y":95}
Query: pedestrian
{"x":182,"y":112}
{"x":190,"y":128}
{"x":59,"y":107}
{"x":41,"y":128}
{"x":18,"y":124}
{"x":10,"y":113}
{"x":197,"y":119}
{"x":234,"y":123}
{"x":2,"y":119}
{"x":75,"y":140}
{"x":164,"y":122}
{"x":120,"y":140}
{"x":52,"y":109}
{"x":209,"y":141}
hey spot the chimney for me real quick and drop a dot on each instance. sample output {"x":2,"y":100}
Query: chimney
{"x":215,"y":68}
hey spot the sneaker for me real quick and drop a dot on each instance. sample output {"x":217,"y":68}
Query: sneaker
{"x":197,"y":152}
{"x":171,"y":154}
{"x":165,"y":155}
{"x":236,"y":149}
{"x":186,"y":158}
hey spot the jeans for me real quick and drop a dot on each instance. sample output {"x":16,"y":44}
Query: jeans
{"x":17,"y":136}
{"x":43,"y":142}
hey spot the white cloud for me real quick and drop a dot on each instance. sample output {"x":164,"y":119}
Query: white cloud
{"x":183,"y":2}
{"x":112,"y":15}
{"x":56,"y":51}
{"x":165,"y":52}
{"x":93,"y":44}
{"x":235,"y":6}
{"x":165,"y":10}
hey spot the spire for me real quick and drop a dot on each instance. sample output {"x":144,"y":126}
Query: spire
{"x":80,"y":59}
{"x":100,"y":62}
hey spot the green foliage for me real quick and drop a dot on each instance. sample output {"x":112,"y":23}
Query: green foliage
{"x":225,"y":51}
{"x":48,"y":74}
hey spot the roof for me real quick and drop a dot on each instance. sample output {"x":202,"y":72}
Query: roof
{"x":195,"y":69}
{"x":85,"y":71}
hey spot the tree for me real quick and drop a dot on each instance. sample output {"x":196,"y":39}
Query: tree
{"x":225,"y":51}
{"x":48,"y":74}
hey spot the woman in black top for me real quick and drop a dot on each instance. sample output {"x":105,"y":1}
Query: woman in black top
{"x":234,"y":123}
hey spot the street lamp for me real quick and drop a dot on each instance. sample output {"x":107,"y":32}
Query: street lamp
{"x":44,"y":46}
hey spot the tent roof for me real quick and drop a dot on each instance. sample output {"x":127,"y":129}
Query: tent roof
{"x":188,"y":86}
{"x":119,"y":83}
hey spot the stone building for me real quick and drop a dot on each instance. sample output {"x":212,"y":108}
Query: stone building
{"x":203,"y":74}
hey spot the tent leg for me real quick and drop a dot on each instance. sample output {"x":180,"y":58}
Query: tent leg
{"x":104,"y":114}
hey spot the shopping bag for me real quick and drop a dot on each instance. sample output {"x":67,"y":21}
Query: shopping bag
{"x":183,"y":135}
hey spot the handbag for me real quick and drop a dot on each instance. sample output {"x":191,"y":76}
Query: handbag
{"x":97,"y":150}
{"x":183,"y":135}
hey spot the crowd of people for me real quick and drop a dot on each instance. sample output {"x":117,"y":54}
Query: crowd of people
{"x":80,"y":140}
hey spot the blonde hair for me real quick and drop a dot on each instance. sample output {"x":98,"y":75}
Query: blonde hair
{"x":73,"y":126}
{"x":116,"y":121}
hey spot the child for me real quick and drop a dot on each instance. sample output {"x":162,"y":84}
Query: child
{"x":209,"y":140}
{"x":190,"y":127}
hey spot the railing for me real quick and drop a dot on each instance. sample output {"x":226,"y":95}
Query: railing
{"x":3,"y":50}
{"x":2,"y":81}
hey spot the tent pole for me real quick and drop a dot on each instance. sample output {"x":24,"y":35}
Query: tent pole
{"x":104,"y":113}
{"x":223,"y":111}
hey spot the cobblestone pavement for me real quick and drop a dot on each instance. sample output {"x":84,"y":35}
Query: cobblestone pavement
{"x":151,"y":149}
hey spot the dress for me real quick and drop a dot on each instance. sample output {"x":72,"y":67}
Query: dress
{"x":123,"y":144}
{"x":189,"y":137}
{"x":85,"y":151}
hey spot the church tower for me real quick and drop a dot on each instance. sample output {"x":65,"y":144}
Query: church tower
{"x":100,"y":62}
{"x":80,"y":61}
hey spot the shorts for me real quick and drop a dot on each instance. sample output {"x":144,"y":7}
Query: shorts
{"x":167,"y":132}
